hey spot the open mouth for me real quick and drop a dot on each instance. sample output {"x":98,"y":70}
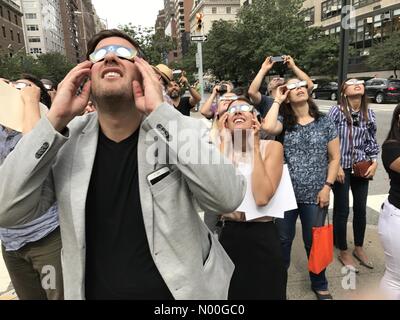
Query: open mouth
{"x":112,"y":74}
{"x":239,"y":120}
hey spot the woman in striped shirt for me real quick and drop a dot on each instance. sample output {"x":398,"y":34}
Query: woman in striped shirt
{"x":356,"y":125}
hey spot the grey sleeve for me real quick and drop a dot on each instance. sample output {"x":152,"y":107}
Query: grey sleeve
{"x":26,"y":184}
{"x":210,"y":176}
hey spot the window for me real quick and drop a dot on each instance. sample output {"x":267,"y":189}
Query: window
{"x":330,"y":8}
{"x":9,"y":15}
{"x":32,"y":27}
{"x":19,"y":37}
{"x":309,"y":16}
{"x":1,"y":11}
{"x":16,"y":19}
{"x":228,"y":10}
{"x":36,"y":50}
{"x":30,"y":16}
{"x":34,"y":39}
{"x":214,"y":10}
{"x":362,"y":3}
{"x":12,"y":34}
{"x":4,"y":31}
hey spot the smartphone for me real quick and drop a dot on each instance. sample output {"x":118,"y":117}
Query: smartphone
{"x":158,"y":175}
{"x":277,"y":59}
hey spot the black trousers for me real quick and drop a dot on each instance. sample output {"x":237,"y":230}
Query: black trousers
{"x":341,"y":209}
{"x":255,"y":249}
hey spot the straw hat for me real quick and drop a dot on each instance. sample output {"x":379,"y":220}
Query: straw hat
{"x":164,"y":72}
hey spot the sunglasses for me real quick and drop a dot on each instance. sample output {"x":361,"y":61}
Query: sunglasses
{"x":300,"y":84}
{"x":232,"y":98}
{"x":21,"y":85}
{"x":119,"y":51}
{"x":241,"y":107}
{"x":354,"y":82}
{"x":356,"y":119}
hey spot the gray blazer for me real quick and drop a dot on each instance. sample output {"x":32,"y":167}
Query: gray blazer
{"x":47,"y":166}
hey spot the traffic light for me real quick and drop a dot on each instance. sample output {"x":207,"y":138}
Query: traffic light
{"x":199,"y":21}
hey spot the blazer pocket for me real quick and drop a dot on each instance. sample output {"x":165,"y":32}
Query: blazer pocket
{"x":211,"y":253}
{"x":168,"y":182}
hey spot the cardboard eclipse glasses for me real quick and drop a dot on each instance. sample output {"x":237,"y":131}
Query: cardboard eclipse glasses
{"x":119,"y":51}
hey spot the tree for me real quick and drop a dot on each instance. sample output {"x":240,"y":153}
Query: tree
{"x":187,"y":63}
{"x":322,"y":57}
{"x":386,"y":54}
{"x":155,"y":45}
{"x":53,"y":66}
{"x":274,"y":27}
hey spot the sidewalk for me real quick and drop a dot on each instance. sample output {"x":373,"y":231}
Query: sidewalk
{"x":367,"y":281}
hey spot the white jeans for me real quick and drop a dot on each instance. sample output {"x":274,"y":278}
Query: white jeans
{"x":389,"y":233}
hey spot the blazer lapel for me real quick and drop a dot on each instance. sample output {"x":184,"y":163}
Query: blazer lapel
{"x":146,"y":199}
{"x":84,"y":156}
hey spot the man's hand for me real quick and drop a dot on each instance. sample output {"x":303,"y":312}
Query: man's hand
{"x":267,"y":64}
{"x":288,"y":60}
{"x":256,"y":130}
{"x":323,"y":197}
{"x":184,"y":81}
{"x":67,"y":104}
{"x":30,"y":95}
{"x":149,"y":96}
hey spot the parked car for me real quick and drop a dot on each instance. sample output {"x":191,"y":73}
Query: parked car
{"x":383,"y":90}
{"x":325,"y":89}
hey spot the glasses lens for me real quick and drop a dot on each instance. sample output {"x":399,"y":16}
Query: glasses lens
{"x":98,"y":55}
{"x":124,"y":53}
{"x":20,"y":85}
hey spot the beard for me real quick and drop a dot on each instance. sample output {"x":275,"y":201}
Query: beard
{"x":174,"y":94}
{"x":111,"y":95}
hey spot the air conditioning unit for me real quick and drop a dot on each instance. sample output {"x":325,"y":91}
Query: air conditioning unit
{"x":369,"y":20}
{"x":385,"y":16}
{"x":307,"y":19}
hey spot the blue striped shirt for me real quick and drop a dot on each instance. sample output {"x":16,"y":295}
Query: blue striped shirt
{"x":16,"y":238}
{"x":365,"y":145}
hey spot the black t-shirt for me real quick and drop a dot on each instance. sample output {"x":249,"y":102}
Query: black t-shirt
{"x":264,"y":105}
{"x":390,"y":152}
{"x":119,"y":264}
{"x":184,"y":106}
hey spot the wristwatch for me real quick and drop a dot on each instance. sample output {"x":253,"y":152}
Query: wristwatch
{"x":330,"y":185}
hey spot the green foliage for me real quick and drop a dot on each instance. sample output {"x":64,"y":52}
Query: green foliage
{"x":154,"y":44}
{"x":53,"y":66}
{"x":236,"y":50}
{"x":187,"y":63}
{"x":386,"y":54}
{"x":322,"y":57}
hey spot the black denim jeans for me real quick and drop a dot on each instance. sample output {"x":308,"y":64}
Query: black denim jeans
{"x":341,"y":209}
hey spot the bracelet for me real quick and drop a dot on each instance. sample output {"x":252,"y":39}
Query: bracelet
{"x":276,"y":101}
{"x":330,"y":185}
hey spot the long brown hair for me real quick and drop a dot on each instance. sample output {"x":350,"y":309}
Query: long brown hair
{"x":289,"y":116}
{"x":344,"y":103}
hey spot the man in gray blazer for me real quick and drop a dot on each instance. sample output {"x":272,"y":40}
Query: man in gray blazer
{"x":127,"y":232}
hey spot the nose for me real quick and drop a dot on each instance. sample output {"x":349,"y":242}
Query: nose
{"x":110,"y":56}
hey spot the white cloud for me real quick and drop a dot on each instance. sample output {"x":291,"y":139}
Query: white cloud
{"x":138,"y":12}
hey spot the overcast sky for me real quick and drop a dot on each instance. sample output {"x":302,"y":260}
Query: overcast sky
{"x":139,"y":12}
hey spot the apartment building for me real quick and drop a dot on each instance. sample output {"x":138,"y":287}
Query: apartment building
{"x":11,"y":33}
{"x":375,"y":21}
{"x":213,"y":10}
{"x":43,"y":26}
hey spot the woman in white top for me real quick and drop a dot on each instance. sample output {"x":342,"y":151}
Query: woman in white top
{"x":253,"y":246}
